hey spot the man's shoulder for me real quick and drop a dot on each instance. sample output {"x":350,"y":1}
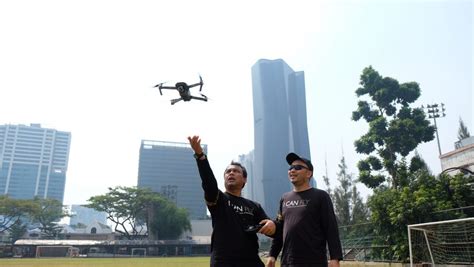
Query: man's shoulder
{"x":318,"y":192}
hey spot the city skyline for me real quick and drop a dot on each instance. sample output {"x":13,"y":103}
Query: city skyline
{"x":94,"y":77}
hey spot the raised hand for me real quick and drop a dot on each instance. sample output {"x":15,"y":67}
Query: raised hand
{"x":195,"y":143}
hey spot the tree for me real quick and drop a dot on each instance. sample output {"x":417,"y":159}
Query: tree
{"x":349,"y":207}
{"x":425,"y":198}
{"x":404,"y":191}
{"x":395,"y":129}
{"x":17,"y":230}
{"x":462,"y":132}
{"x":360,"y":212}
{"x":126,"y":207}
{"x":326,"y":182}
{"x":342,"y":195}
{"x":169,"y":221}
{"x":132,"y":208}
{"x":12,"y":210}
{"x":48,"y":212}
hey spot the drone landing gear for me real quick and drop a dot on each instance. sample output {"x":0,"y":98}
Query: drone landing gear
{"x":203,"y":98}
{"x":174,"y":101}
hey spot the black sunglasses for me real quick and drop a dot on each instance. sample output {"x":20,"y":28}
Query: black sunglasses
{"x":297,"y":167}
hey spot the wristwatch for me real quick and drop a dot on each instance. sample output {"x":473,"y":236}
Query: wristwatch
{"x":198,"y":156}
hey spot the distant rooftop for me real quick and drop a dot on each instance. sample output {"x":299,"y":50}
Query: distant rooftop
{"x":148,"y":144}
{"x":464,"y":142}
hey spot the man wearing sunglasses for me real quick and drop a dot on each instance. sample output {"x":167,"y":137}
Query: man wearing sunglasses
{"x":306,"y":222}
{"x":235,"y":220}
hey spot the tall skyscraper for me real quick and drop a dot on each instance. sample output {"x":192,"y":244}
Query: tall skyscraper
{"x":33,"y":161}
{"x":280,"y":127}
{"x":253,"y":189}
{"x":169,"y":168}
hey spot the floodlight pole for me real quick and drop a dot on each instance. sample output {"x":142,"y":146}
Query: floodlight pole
{"x":433,"y":113}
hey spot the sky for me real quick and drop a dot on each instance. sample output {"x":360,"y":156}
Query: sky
{"x":89,"y":67}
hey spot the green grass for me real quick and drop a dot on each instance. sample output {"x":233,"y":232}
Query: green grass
{"x":106,"y":262}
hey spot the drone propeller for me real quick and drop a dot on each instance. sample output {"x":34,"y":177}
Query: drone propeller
{"x":200,"y":78}
{"x":159,"y":87}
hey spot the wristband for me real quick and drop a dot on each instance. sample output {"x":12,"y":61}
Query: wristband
{"x":198,"y":156}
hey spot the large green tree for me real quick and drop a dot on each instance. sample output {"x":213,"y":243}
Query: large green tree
{"x":12,"y":210}
{"x":48,"y":212}
{"x":395,"y":129}
{"x":425,"y":198}
{"x":132,"y":208}
{"x":405,"y":192}
{"x":126,"y":207}
{"x":169,"y":221}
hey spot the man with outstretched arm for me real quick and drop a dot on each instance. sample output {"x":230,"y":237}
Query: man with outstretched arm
{"x":235,"y":220}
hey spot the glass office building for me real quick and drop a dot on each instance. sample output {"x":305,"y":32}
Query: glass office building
{"x":86,"y":216}
{"x":33,"y":161}
{"x":169,"y":168}
{"x":280,"y":127}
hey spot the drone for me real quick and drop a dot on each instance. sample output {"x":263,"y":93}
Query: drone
{"x":183,"y":89}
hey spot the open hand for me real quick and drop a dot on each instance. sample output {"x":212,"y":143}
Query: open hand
{"x":195,"y":143}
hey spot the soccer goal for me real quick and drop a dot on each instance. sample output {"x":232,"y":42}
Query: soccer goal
{"x":52,"y":251}
{"x":442,"y":243}
{"x":138,"y":252}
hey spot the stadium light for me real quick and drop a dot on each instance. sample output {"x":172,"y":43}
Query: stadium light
{"x":436,"y":111}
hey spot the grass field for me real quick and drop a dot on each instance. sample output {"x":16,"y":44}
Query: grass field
{"x":107,"y":262}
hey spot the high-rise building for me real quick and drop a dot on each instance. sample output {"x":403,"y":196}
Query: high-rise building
{"x":33,"y":161}
{"x":253,"y":189}
{"x":170,"y":169}
{"x":280,"y":127}
{"x":86,"y":216}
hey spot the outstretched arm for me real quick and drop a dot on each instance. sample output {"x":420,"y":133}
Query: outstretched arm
{"x":209,"y":183}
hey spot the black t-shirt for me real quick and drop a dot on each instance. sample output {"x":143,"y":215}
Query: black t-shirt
{"x":231,"y":245}
{"x":306,"y":223}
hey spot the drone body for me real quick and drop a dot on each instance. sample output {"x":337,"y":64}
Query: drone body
{"x":183,"y":90}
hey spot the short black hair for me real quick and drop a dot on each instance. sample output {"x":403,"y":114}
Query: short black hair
{"x":244,"y":171}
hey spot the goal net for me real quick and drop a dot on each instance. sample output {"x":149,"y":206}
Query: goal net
{"x":53,"y":251}
{"x":442,"y":243}
{"x":138,"y":252}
